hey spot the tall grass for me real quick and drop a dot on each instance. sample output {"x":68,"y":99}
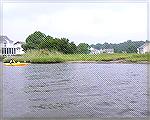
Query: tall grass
{"x":139,"y":57}
{"x":45,"y":56}
{"x":37,"y":56}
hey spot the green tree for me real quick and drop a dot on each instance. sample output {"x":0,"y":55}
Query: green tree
{"x":83,"y":48}
{"x":46,"y":43}
{"x":106,"y":45}
{"x":131,"y":49}
{"x":128,"y":46}
{"x":33,"y":41}
{"x":63,"y":45}
{"x":72,"y":48}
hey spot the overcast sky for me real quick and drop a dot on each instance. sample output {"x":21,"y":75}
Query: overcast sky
{"x":79,"y":22}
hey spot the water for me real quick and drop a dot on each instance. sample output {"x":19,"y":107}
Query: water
{"x":71,"y":90}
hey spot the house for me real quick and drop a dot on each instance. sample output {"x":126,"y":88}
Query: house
{"x":145,"y":48}
{"x":110,"y":51}
{"x":8,"y":47}
{"x":95,"y":51}
{"x":19,"y":49}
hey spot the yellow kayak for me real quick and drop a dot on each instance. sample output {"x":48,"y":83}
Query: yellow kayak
{"x":16,"y":64}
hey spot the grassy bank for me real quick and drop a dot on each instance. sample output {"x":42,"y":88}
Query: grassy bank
{"x":43,"y":56}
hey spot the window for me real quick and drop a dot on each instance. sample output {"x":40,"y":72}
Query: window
{"x":4,"y":50}
{"x":4,"y":44}
{"x":14,"y":50}
{"x":7,"y":51}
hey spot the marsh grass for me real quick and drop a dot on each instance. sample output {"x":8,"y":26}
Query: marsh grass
{"x":139,"y":57}
{"x":45,"y":56}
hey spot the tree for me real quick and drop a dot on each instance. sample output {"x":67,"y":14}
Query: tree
{"x":33,"y":41}
{"x":46,"y":43}
{"x":83,"y":48}
{"x":106,"y":45}
{"x":39,"y":40}
{"x":132,"y":49}
{"x":72,"y":48}
{"x":63,"y":45}
{"x":98,"y":46}
{"x":128,"y":46}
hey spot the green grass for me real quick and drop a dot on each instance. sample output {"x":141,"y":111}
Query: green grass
{"x":44,"y":56}
{"x":139,"y":57}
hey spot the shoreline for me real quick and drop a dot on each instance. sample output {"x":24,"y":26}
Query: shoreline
{"x":98,"y":62}
{"x":111,"y":62}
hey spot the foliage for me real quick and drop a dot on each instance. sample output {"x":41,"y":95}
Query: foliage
{"x":37,"y":56}
{"x":45,"y":56}
{"x":131,"y":49}
{"x":1,"y":57}
{"x":72,"y":48}
{"x":33,"y":41}
{"x":83,"y":48}
{"x":39,"y":40}
{"x":128,"y":46}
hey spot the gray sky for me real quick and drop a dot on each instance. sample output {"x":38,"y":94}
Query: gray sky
{"x":79,"y":22}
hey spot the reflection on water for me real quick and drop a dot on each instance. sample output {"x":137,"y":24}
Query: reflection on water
{"x":75,"y":90}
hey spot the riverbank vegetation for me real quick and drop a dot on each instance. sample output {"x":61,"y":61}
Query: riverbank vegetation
{"x":41,"y":48}
{"x":45,"y":56}
{"x":39,"y":40}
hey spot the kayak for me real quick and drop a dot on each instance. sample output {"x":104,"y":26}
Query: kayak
{"x":16,"y":64}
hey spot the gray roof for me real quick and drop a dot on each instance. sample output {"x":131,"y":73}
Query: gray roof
{"x":19,"y":42}
{"x":141,"y":47}
{"x":5,"y":39}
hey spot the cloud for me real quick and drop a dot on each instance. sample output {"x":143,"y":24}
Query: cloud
{"x":80,"y":22}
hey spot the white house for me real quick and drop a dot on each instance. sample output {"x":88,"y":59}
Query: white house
{"x":145,"y":48}
{"x":95,"y":51}
{"x":110,"y":51}
{"x":8,"y":47}
{"x":19,"y":49}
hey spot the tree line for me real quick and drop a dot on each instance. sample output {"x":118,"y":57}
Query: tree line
{"x":39,"y":40}
{"x":128,"y":46}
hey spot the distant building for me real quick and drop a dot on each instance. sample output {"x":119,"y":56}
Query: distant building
{"x":108,"y":51}
{"x":95,"y":51}
{"x":8,"y":47}
{"x":145,"y":48}
{"x":124,"y":51}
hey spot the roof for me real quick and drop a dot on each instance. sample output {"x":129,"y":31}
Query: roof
{"x":145,"y":44}
{"x":93,"y":48}
{"x":109,"y":49}
{"x":5,"y":39}
{"x":19,"y":42}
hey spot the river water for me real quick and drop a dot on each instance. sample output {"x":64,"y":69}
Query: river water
{"x":72,"y":90}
